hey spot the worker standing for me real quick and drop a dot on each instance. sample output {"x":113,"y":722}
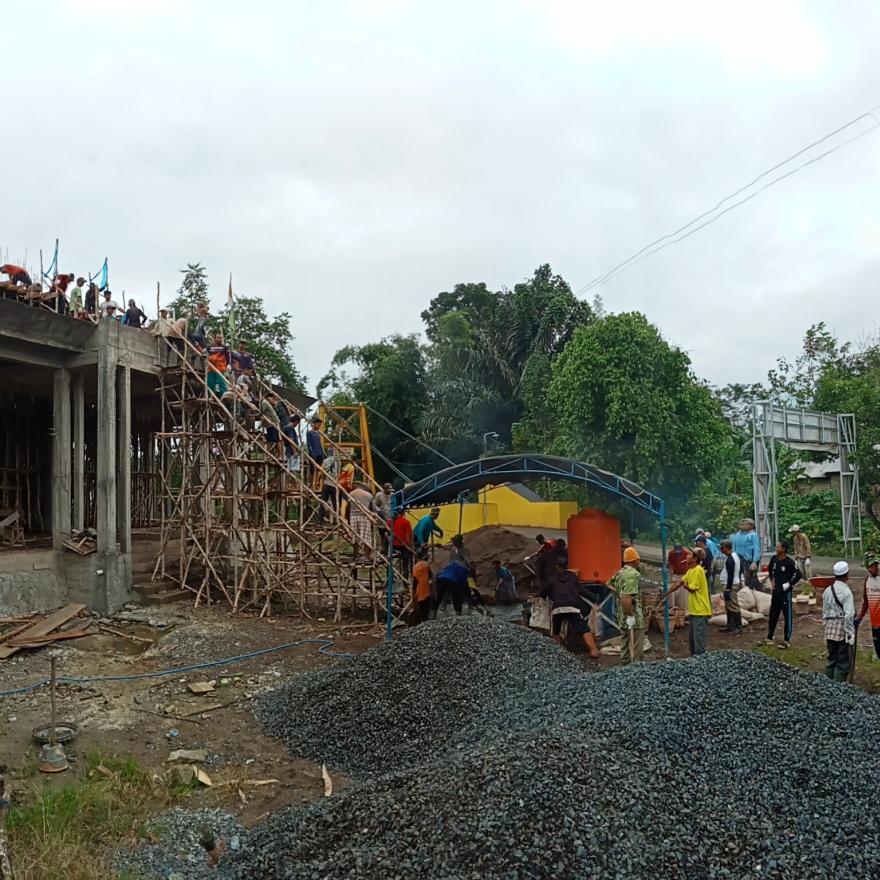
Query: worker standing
{"x":838,"y":614}
{"x":403,"y":541}
{"x":784,"y":574}
{"x":459,"y":551}
{"x":747,"y":545}
{"x":699,"y":604}
{"x":423,"y":587}
{"x":731,"y":581}
{"x":802,"y":551}
{"x":871,"y":602}
{"x":630,"y":617}
{"x":569,"y":606}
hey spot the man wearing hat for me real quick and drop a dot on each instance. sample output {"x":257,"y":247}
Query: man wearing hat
{"x":747,"y":545}
{"x":802,"y":551}
{"x":630,"y":617}
{"x":871,"y":602}
{"x":838,"y":615}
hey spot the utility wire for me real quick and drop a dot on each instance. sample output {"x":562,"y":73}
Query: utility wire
{"x":673,"y":237}
{"x":407,"y":434}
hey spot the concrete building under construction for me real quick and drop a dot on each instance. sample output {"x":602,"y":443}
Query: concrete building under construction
{"x":109,"y":430}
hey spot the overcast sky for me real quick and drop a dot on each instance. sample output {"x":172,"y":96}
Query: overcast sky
{"x":346,"y":161}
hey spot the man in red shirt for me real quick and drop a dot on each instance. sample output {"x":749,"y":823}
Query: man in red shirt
{"x":218,"y":360}
{"x":678,"y":560}
{"x":17,"y":275}
{"x":403,"y":542}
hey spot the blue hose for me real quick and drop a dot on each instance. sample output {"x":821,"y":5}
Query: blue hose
{"x":325,"y":644}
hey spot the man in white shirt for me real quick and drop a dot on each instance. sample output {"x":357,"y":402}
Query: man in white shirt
{"x":109,"y":308}
{"x":838,"y":614}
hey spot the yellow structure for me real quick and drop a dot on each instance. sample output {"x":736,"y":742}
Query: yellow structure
{"x":348,"y":428}
{"x":509,"y":505}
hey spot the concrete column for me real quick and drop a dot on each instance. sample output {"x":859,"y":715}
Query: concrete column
{"x":60,"y":457}
{"x":79,"y":452}
{"x":123,"y":458}
{"x":106,"y":464}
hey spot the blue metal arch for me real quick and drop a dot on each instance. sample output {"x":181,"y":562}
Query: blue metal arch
{"x":445,"y":486}
{"x":448,"y":485}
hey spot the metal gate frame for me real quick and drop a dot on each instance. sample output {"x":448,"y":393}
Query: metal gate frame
{"x":810,"y":431}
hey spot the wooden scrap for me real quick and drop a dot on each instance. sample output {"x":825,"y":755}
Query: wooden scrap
{"x":328,"y":782}
{"x":43,"y":627}
{"x":209,"y":708}
{"x":200,"y":687}
{"x":122,"y":635}
{"x":202,"y":777}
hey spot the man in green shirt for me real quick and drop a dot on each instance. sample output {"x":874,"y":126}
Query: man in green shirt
{"x":630,"y":618}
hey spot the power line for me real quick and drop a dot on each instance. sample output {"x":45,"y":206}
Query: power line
{"x":673,"y":237}
{"x":410,"y":436}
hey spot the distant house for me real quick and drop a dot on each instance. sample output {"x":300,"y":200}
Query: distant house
{"x":817,"y":476}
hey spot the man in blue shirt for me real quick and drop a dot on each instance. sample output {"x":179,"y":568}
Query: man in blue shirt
{"x":747,"y":546}
{"x":426,"y":527}
{"x":453,"y":580}
{"x":315,"y":449}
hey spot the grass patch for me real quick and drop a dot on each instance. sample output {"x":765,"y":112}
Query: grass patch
{"x":65,"y":832}
{"x":867,"y":668}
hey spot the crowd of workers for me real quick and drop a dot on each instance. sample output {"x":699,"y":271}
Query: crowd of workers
{"x":704,"y":569}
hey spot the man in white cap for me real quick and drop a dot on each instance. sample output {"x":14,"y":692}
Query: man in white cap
{"x":838,"y":613}
{"x":802,"y":551}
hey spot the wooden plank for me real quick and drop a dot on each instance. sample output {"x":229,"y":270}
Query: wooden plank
{"x":45,"y":626}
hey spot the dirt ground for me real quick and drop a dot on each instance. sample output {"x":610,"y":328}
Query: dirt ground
{"x":148,"y":718}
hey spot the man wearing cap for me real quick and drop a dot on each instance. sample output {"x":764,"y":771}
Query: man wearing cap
{"x":630,"y":618}
{"x":731,"y":581}
{"x":784,"y":574}
{"x":838,"y":615}
{"x":747,"y":545}
{"x":871,"y":602}
{"x":802,"y":551}
{"x":426,"y":527}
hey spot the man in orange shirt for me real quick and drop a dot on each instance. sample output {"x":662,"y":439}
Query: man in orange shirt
{"x":423,"y":590}
{"x":218,"y":361}
{"x":871,"y":602}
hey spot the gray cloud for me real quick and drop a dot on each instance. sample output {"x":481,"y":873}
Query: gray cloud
{"x":350,"y":162}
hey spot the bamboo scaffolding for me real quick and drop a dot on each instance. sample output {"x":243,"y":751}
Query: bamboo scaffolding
{"x":252,"y":532}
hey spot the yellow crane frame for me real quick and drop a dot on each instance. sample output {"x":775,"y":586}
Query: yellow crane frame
{"x":347,"y":426}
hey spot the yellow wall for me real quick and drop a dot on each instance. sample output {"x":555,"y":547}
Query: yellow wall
{"x":472,"y":517}
{"x":502,"y":507}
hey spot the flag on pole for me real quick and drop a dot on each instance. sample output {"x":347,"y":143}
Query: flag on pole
{"x":230,"y":305}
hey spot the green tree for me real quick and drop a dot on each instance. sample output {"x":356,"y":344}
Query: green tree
{"x":192,"y":291}
{"x":624,"y":399}
{"x":797,"y":383}
{"x":268,"y":338}
{"x":390,"y":377}
{"x":483,"y":344}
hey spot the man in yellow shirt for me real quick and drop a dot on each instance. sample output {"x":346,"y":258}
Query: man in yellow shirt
{"x":699,"y":604}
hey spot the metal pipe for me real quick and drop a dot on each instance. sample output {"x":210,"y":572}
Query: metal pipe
{"x":389,"y":593}
{"x":665,"y":578}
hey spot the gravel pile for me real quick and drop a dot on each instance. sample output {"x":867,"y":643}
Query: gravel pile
{"x":179,"y":853}
{"x":728,"y":766}
{"x":402,"y":702}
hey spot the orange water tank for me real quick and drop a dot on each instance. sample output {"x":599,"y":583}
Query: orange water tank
{"x":593,"y":545}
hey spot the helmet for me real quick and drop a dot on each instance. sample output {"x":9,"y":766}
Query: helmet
{"x":631,"y":555}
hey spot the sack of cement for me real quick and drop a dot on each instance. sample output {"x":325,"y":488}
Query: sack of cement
{"x":754,"y":600}
{"x":540,"y":617}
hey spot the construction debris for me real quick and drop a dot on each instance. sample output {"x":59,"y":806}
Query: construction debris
{"x":11,"y":530}
{"x":41,"y":631}
{"x":193,"y":756}
{"x":83,"y":543}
